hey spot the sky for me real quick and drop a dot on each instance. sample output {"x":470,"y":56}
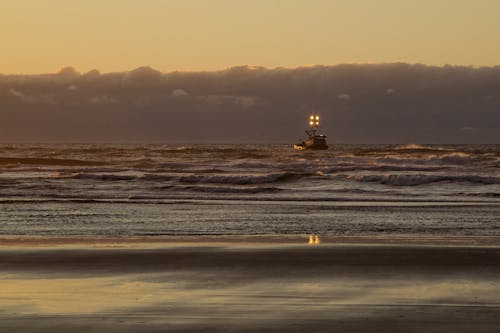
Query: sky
{"x":196,"y":35}
{"x":386,"y":71}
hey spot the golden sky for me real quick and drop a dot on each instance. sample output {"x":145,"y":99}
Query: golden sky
{"x":116,"y":35}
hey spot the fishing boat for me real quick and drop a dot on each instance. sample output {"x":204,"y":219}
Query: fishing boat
{"x":314,"y":139}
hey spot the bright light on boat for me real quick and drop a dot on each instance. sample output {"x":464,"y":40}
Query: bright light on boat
{"x":312,"y":117}
{"x":317,"y":123}
{"x":317,"y":117}
{"x":311,"y":123}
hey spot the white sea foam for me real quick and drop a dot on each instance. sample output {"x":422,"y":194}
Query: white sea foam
{"x":414,"y":146}
{"x":458,"y":158}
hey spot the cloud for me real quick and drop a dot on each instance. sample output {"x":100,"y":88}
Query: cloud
{"x":179,"y":93}
{"x":103,"y":100}
{"x":92,"y":74}
{"x":244,"y":101}
{"x":240,"y":101}
{"x":144,"y":75}
{"x":32,"y":98}
{"x":16,"y":93}
{"x":142,"y":101}
{"x":254,"y":103}
{"x":68,"y":72}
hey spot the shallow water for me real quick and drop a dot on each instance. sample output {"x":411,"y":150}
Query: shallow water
{"x":265,"y":288}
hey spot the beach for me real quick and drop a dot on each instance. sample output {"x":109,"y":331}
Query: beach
{"x":250,"y":284}
{"x":215,"y":238}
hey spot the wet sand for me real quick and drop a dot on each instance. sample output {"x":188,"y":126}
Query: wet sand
{"x":249,"y":285}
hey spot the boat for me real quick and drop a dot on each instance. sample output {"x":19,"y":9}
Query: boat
{"x":314,"y":140}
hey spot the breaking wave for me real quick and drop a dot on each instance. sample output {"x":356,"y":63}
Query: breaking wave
{"x":414,"y":146}
{"x":344,"y":172}
{"x":458,"y":158}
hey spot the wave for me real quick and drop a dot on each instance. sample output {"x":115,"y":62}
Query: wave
{"x":144,"y":163}
{"x":381,"y":167}
{"x":256,"y":165}
{"x":231,"y":190}
{"x":190,"y":170}
{"x":156,"y":177}
{"x":112,"y":176}
{"x":415,"y":146}
{"x":481,"y":195}
{"x":243,"y":179}
{"x":189,"y":200}
{"x":64,"y":172}
{"x":242,"y":151}
{"x":456,"y":158}
{"x":192,"y":178}
{"x":422,"y":179}
{"x":48,"y":161}
{"x":95,"y":176}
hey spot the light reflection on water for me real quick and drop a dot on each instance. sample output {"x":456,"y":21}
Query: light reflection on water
{"x":25,"y":294}
{"x":247,"y":287}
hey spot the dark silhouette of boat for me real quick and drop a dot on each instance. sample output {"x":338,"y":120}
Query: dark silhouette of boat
{"x":314,"y":140}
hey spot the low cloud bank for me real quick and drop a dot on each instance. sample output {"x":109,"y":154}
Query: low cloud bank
{"x":358,"y":103}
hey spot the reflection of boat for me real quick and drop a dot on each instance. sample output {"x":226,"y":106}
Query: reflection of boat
{"x":314,"y":140}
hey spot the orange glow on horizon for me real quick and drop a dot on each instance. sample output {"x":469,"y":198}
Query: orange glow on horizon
{"x":193,"y":35}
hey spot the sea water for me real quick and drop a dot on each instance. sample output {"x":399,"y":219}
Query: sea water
{"x":161,"y":189}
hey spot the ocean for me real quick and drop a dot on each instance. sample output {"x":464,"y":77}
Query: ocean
{"x":160,"y":189}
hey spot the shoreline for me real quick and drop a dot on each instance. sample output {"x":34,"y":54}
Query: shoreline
{"x":251,"y":285}
{"x":238,"y":240}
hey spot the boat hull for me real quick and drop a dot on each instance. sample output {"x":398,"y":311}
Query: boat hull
{"x":298,"y":147}
{"x":301,"y":146}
